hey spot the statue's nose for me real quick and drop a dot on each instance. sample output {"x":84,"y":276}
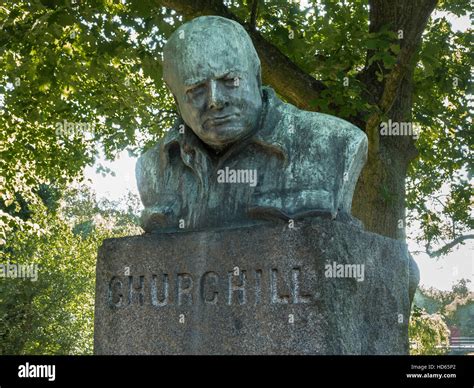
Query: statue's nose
{"x":216,"y":100}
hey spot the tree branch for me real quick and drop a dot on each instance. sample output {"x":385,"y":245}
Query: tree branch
{"x":295,"y":85}
{"x":253,"y":16}
{"x":446,"y":248}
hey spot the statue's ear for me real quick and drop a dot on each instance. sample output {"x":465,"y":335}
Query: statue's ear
{"x":259,"y":82}
{"x":174,"y":96}
{"x":177,"y":105}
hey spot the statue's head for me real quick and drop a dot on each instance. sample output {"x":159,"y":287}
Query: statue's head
{"x":213,"y":71}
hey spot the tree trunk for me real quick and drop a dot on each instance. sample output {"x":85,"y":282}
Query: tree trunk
{"x":379,"y":199}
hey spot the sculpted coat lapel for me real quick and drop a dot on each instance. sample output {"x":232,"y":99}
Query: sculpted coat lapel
{"x":305,"y":162}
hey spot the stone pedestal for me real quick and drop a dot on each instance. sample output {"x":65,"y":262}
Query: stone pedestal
{"x":321,"y":287}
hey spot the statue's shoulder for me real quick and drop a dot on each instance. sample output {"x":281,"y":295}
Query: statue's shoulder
{"x":151,"y":155}
{"x":327,"y":125}
{"x":334,"y":147}
{"x":150,"y":169}
{"x":158,"y":180}
{"x":311,"y":125}
{"x":156,"y":155}
{"x":314,"y":128}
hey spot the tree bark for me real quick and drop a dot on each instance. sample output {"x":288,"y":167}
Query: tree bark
{"x":379,"y":199}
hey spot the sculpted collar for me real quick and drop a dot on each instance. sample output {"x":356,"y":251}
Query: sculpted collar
{"x":193,"y":151}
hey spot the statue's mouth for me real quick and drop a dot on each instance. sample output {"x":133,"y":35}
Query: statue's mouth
{"x":219,"y":120}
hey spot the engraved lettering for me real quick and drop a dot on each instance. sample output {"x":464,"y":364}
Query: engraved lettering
{"x":115,"y":295}
{"x":155,"y":300}
{"x":297,"y":297}
{"x":185,"y":288}
{"x":209,"y":282}
{"x":254,"y":286}
{"x":258,"y":286}
{"x":238,"y":289}
{"x":136,"y":290}
{"x":275,"y":298}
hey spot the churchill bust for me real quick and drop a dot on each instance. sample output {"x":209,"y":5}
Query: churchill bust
{"x":237,"y":154}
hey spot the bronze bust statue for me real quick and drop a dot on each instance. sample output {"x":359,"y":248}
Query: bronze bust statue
{"x":238,"y":154}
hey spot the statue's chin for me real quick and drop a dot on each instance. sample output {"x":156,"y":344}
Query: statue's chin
{"x":221,"y":135}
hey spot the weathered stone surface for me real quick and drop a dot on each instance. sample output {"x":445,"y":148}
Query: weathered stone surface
{"x":285,"y":277}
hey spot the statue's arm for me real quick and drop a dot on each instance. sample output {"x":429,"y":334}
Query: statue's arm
{"x":354,"y":160}
{"x":158,"y":203}
{"x":334,"y":145}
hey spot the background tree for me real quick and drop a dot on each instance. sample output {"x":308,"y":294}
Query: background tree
{"x":435,"y":313}
{"x":55,"y":313}
{"x":80,"y":76}
{"x":428,"y":333}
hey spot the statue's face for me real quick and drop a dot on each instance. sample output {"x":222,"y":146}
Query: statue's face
{"x":219,"y":99}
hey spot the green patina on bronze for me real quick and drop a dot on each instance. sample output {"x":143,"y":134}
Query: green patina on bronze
{"x":232,"y":129}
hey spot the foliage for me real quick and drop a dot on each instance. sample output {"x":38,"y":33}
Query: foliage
{"x":439,"y":193}
{"x":428,"y":333}
{"x":73,"y":79}
{"x":54,"y":314}
{"x":461,"y":288}
{"x":458,"y":292}
{"x":96,"y":65}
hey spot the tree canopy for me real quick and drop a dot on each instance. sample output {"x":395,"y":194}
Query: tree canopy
{"x":80,"y":76}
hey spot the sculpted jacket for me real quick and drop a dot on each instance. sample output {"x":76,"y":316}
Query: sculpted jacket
{"x":306,"y":164}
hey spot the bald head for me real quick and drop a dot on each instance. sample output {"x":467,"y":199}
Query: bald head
{"x":208,"y":41}
{"x":213,"y":70}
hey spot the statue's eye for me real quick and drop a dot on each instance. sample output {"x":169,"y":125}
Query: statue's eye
{"x":196,"y":90}
{"x":232,"y":81}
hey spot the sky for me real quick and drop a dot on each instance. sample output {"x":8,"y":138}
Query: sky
{"x":439,"y":273}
